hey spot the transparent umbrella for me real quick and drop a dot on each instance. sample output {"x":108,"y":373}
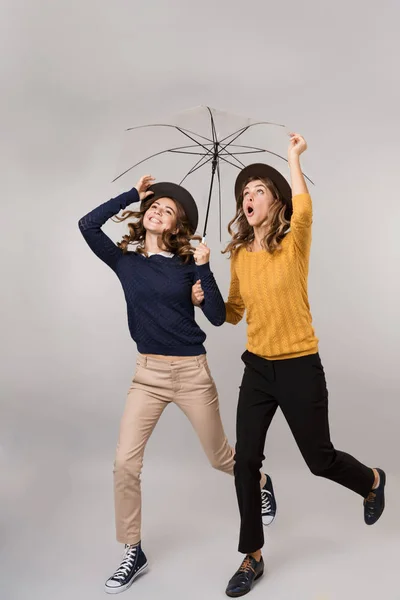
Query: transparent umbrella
{"x":203,"y":139}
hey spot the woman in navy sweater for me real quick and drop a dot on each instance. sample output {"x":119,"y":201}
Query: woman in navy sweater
{"x":163,"y":279}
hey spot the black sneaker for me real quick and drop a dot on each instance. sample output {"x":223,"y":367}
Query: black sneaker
{"x":133,"y":563}
{"x":241,"y":583}
{"x":268,"y":502}
{"x":374,"y":503}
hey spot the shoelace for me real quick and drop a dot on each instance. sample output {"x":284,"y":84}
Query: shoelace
{"x":265,"y":502}
{"x":126,"y":564}
{"x":370,"y":502}
{"x":246,"y":565}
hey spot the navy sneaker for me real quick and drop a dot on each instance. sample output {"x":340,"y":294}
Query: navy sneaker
{"x":268,"y":502}
{"x":133,"y":563}
{"x":241,"y":583}
{"x":374,"y":503}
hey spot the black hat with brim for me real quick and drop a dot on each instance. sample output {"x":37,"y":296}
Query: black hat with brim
{"x":166,"y":189}
{"x":261,"y":170}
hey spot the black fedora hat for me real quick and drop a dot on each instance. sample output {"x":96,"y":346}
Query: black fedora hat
{"x":166,"y":189}
{"x":262,"y":170}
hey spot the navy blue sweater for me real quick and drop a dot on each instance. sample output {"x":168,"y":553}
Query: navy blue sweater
{"x":157,"y":289}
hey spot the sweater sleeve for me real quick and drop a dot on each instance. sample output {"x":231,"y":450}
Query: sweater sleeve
{"x":90,"y":227}
{"x":234,"y":306}
{"x":213,"y":304}
{"x":301,"y":223}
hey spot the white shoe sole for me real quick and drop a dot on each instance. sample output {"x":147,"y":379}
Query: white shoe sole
{"x":122,"y":588}
{"x":267,"y":519}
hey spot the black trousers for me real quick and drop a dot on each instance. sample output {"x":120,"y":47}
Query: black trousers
{"x":298,"y":387}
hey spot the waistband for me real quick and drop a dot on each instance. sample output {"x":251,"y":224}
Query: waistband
{"x":163,"y":364}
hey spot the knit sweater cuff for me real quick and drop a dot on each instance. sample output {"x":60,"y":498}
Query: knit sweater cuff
{"x":203,"y":268}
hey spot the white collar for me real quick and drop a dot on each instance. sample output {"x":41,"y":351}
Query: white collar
{"x":162,"y":253}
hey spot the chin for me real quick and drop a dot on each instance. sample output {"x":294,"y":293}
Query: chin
{"x":153,"y":228}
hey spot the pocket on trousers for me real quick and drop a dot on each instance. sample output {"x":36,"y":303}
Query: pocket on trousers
{"x":205,"y":369}
{"x":139,"y":373}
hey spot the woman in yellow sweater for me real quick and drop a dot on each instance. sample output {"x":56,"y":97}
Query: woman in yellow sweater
{"x":270,"y":249}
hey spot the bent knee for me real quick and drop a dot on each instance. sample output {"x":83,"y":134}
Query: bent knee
{"x":128,"y":463}
{"x":321,"y":469}
{"x":222,"y":461}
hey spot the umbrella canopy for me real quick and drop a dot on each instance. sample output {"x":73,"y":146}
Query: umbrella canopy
{"x":199,"y":148}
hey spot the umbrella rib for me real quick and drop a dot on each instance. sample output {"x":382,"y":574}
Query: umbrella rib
{"x":255,"y":150}
{"x":181,"y":129}
{"x":237,"y":133}
{"x":274,"y":154}
{"x":193,"y":146}
{"x":240,"y":166}
{"x":190,"y":153}
{"x":224,"y":149}
{"x":243,"y":129}
{"x":193,"y":140}
{"x":246,"y":146}
{"x":172,"y":150}
{"x":196,"y":167}
{"x":229,"y":154}
{"x":249,"y":152}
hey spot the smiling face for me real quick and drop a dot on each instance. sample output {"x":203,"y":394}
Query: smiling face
{"x":161,"y":216}
{"x":257,"y":200}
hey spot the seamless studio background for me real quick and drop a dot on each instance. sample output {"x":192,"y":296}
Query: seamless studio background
{"x":74,"y":76}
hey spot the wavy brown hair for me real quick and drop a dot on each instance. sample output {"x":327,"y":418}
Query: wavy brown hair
{"x":243,"y":234}
{"x":178,"y":243}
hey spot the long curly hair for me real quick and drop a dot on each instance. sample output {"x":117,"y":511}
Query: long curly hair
{"x":178,"y":243}
{"x":243,"y":234}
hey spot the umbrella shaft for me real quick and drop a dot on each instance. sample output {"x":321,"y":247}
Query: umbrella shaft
{"x":214,"y":167}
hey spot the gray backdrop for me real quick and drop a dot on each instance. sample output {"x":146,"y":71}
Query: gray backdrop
{"x":74,"y":75}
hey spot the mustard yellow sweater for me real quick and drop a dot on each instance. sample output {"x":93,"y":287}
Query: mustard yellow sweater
{"x":272,"y":289}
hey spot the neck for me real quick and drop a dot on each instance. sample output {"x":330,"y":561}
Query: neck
{"x":259,"y":235}
{"x":151,"y":243}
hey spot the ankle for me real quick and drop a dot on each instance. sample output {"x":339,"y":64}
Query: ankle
{"x":256,"y":555}
{"x":377,"y":479}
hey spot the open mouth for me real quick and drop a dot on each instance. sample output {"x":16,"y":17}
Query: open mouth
{"x":249,"y":211}
{"x":155,"y":220}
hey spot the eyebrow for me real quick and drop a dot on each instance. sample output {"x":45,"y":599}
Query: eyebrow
{"x":166,"y":206}
{"x":258,"y":185}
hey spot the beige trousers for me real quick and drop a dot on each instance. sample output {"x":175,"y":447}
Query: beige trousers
{"x":158,"y":382}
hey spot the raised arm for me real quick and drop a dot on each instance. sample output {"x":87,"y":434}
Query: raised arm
{"x":90,"y":224}
{"x":302,"y":206}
